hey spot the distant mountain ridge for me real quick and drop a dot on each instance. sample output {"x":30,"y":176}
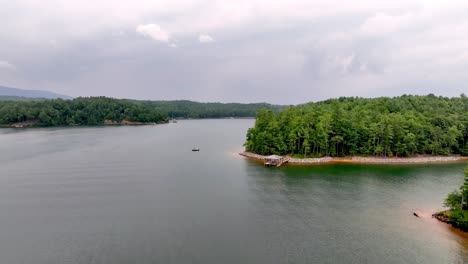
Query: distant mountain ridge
{"x":20,"y":98}
{"x":9,"y":91}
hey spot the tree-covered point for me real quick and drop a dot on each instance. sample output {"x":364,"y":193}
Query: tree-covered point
{"x":79,"y":111}
{"x":457,"y":201}
{"x":399,"y":126}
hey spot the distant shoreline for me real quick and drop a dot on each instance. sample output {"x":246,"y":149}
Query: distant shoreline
{"x":34,"y":124}
{"x":363,"y":160}
{"x":28,"y":124}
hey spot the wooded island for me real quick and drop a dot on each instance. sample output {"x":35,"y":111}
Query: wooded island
{"x":350,"y":126}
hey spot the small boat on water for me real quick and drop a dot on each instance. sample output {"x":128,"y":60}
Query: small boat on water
{"x":195,"y":149}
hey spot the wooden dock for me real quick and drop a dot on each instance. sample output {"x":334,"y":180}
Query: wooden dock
{"x":275,"y":160}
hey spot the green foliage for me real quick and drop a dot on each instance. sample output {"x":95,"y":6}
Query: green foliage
{"x":94,"y":110}
{"x":453,"y":200}
{"x":459,"y":218}
{"x":464,"y":190}
{"x":190,"y":109}
{"x":457,"y":201}
{"x":387,"y":127}
{"x":80,"y":111}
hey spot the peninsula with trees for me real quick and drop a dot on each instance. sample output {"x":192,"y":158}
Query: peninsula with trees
{"x":457,"y":202}
{"x":364,"y":129}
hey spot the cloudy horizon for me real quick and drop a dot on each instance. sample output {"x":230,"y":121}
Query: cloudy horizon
{"x":282,"y":52}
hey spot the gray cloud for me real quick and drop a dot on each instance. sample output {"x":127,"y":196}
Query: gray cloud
{"x":5,"y":65}
{"x":280,"y":52}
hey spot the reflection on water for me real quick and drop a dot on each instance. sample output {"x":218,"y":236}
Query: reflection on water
{"x":338,"y":211}
{"x":140,"y":195}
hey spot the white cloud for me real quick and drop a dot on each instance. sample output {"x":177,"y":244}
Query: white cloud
{"x":7,"y":65}
{"x":382,"y":24}
{"x":205,"y":38}
{"x":155,"y":32}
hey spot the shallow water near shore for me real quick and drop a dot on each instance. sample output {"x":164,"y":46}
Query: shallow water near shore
{"x":140,"y":195}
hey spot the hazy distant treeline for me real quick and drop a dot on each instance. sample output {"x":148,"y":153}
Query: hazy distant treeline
{"x":400,"y":126}
{"x":190,"y":109}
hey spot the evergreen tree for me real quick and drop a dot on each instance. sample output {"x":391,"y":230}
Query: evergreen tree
{"x":400,"y":126}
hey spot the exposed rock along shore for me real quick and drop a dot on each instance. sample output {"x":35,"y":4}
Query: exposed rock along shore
{"x":406,"y":160}
{"x":291,"y":160}
{"x":442,"y":216}
{"x":364,"y":160}
{"x":131,"y":123}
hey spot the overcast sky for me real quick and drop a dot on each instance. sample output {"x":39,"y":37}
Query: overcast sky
{"x":284,"y":52}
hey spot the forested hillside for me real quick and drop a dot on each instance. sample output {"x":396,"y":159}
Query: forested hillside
{"x":80,"y":111}
{"x":400,"y":126}
{"x":190,"y":109}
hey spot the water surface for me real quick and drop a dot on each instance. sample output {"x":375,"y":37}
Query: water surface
{"x":140,"y":195}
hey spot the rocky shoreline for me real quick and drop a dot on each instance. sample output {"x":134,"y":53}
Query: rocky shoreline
{"x":131,"y":123}
{"x":431,"y":159}
{"x":442,"y":216}
{"x":363,"y":160}
{"x":251,"y":155}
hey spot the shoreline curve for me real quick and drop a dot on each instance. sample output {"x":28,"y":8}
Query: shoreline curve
{"x":362,"y":160}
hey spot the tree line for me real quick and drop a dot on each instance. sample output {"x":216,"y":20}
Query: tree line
{"x":79,"y":111}
{"x":400,"y":126}
{"x":191,"y":109}
{"x":94,"y":110}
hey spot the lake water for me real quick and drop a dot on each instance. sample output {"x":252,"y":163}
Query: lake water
{"x":140,"y":195}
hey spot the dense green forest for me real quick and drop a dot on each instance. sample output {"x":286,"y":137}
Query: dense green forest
{"x":80,"y":111}
{"x":400,"y":126}
{"x":190,"y":109}
{"x":94,"y":110}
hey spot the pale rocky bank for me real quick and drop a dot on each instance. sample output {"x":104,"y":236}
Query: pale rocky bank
{"x":363,"y":160}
